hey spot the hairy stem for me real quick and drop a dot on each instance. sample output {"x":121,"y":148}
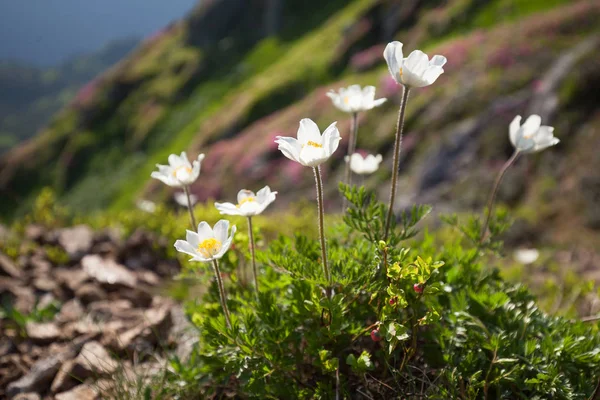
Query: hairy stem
{"x":251,"y":244}
{"x":397,"y":148}
{"x":186,"y":189}
{"x":492,"y":198}
{"x":319,"y":183}
{"x":222,"y":295}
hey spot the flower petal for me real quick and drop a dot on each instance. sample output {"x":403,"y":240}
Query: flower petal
{"x":393,"y":57}
{"x":192,"y":238}
{"x":244,"y":194}
{"x":221,"y":229}
{"x":531,"y":126}
{"x":227,"y":208}
{"x":438,"y":61}
{"x":205,"y":231}
{"x":308,"y":131}
{"x":331,"y":139}
{"x":513,"y":130}
{"x":184,"y":247}
{"x":290,"y":147}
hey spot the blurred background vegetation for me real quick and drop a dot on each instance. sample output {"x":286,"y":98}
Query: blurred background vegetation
{"x":229,"y":76}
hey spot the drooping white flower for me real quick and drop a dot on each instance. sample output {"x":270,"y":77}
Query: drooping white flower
{"x":179,"y":172}
{"x":181,"y":199}
{"x":354,"y":99}
{"x":532,"y":136}
{"x":311,"y":149}
{"x":416,"y":70}
{"x":146,"y":205}
{"x":526,"y":256}
{"x":248,"y":203}
{"x":363,"y":166}
{"x":207,"y":244}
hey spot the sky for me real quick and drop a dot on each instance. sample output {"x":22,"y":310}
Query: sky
{"x":47,"y":32}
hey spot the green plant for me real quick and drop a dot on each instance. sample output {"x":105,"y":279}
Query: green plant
{"x":404,"y":319}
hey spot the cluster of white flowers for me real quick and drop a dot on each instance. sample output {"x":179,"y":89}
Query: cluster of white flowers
{"x":311,"y":149}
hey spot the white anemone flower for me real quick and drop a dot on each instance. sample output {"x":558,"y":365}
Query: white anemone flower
{"x":532,"y":136}
{"x":146,"y":205}
{"x":180,"y":172}
{"x":416,"y":70}
{"x":207,"y":244}
{"x":526,"y":256}
{"x":248,"y":203}
{"x":364,"y":166}
{"x":181,"y":199}
{"x":311,"y":149}
{"x":354,"y":99}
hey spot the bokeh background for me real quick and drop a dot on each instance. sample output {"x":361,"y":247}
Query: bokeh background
{"x":93,"y":95}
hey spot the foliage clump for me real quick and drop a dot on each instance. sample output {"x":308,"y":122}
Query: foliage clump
{"x":403,"y":319}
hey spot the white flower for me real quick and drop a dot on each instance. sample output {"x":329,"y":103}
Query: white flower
{"x":249,"y":204}
{"x":179,"y":172}
{"x":310,"y":149}
{"x":181,"y":199}
{"x":416,"y":70}
{"x":146,"y":205}
{"x":526,"y":256}
{"x":532,"y":136}
{"x":363,"y":166}
{"x":354,"y":99}
{"x":207,"y":244}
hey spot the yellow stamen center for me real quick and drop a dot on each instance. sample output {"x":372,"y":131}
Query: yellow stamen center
{"x":314,"y":144}
{"x":209,"y":247}
{"x":246,"y":200}
{"x":401,"y":72}
{"x":181,"y":168}
{"x":346,"y":100}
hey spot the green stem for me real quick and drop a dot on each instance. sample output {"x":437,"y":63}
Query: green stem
{"x":492,"y":198}
{"x":190,"y":207}
{"x":222,"y":295}
{"x":251,"y":243}
{"x":397,"y":148}
{"x":317,"y":171}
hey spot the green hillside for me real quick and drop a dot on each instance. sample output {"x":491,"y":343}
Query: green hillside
{"x":206,"y":85}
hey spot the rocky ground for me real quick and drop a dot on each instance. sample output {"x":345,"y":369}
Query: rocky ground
{"x":82,"y":313}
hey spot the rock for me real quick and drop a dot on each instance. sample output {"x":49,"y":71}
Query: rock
{"x":21,"y":297}
{"x":89,"y":293}
{"x":41,"y":374}
{"x":81,"y":392}
{"x":6,"y":346}
{"x":64,"y":380}
{"x":11,"y":369}
{"x":107,"y":271}
{"x":27,"y":396}
{"x":44,"y":284}
{"x":44,"y":332}
{"x":72,"y":310}
{"x":8,"y":267}
{"x":93,"y":360}
{"x":35,"y":232}
{"x":152,"y":329}
{"x":76,"y":241}
{"x":71,"y":279}
{"x":39,"y":265}
{"x":183,"y":333}
{"x":112,"y":310}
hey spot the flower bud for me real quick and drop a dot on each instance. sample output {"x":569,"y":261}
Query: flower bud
{"x":375,"y":335}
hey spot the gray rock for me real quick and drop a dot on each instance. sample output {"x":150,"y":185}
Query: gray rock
{"x":40,"y":376}
{"x":27,"y":396}
{"x":81,"y":392}
{"x":76,"y":241}
{"x":93,"y":361}
{"x":107,"y":271}
{"x":42,"y":332}
{"x":89,"y":293}
{"x":8,"y":267}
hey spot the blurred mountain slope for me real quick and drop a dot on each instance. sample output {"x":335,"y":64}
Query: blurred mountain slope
{"x":235,"y":74}
{"x":29,"y":96}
